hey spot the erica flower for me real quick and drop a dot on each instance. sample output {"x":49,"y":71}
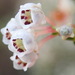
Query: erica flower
{"x":8,"y":30}
{"x":65,"y":31}
{"x":21,"y":33}
{"x":22,"y":42}
{"x":30,"y":15}
{"x":63,"y":14}
{"x":24,"y":62}
{"x":61,"y":19}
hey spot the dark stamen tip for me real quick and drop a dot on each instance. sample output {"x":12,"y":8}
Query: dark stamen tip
{"x":27,"y":10}
{"x":27,"y":22}
{"x":24,"y":64}
{"x":23,"y":11}
{"x":7,"y":29}
{"x":22,"y":17}
{"x":9,"y":38}
{"x":17,"y":57}
{"x":14,"y":39}
{"x":14,"y":44}
{"x":20,"y":50}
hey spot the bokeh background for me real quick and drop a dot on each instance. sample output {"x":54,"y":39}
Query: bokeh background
{"x":57,"y":57}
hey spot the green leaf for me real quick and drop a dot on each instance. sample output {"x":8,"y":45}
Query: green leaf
{"x":74,"y":42}
{"x":70,"y":38}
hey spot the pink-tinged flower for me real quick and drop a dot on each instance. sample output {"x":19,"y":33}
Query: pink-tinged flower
{"x":30,"y":15}
{"x":22,"y":42}
{"x":59,"y":16}
{"x":24,"y":62}
{"x":64,"y":12}
{"x":8,"y":30}
{"x":61,"y":19}
{"x":65,"y":31}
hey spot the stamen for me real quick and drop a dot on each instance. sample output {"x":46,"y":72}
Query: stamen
{"x":14,"y":39}
{"x":9,"y":38}
{"x":27,"y":10}
{"x":14,"y":44}
{"x":22,"y":17}
{"x":17,"y":43}
{"x":24,"y":64}
{"x":7,"y":29}
{"x":8,"y":35}
{"x":20,"y":62}
{"x":27,"y":22}
{"x":26,"y":16}
{"x":20,"y":50}
{"x":17,"y":57}
{"x":23,"y":11}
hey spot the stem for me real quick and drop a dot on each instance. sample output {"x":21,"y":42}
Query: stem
{"x":43,"y":41}
{"x":50,"y":22}
{"x":41,"y":27}
{"x":39,"y":33}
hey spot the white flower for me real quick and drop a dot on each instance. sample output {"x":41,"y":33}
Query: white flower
{"x":8,"y":30}
{"x":30,"y":15}
{"x":24,"y":62}
{"x":65,"y":31}
{"x":22,"y":42}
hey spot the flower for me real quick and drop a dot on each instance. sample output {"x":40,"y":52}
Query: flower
{"x":24,"y":62}
{"x":22,"y":42}
{"x":63,"y":14}
{"x":21,"y":32}
{"x":30,"y":15}
{"x":65,"y":31}
{"x":8,"y":30}
{"x":61,"y":19}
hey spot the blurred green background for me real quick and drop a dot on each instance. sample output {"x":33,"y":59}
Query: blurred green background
{"x":57,"y":57}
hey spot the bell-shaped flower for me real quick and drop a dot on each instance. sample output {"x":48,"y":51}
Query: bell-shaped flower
{"x":30,"y":15}
{"x":24,"y":62}
{"x":22,"y":42}
{"x":7,"y":31}
{"x":65,"y":31}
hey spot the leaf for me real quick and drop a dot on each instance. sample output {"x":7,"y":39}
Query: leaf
{"x":70,"y":39}
{"x":74,"y":42}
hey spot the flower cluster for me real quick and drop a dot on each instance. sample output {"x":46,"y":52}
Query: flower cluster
{"x":21,"y":32}
{"x":20,"y":37}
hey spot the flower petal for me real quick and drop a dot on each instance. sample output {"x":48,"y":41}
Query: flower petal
{"x":30,"y":15}
{"x":8,"y":30}
{"x":22,"y":42}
